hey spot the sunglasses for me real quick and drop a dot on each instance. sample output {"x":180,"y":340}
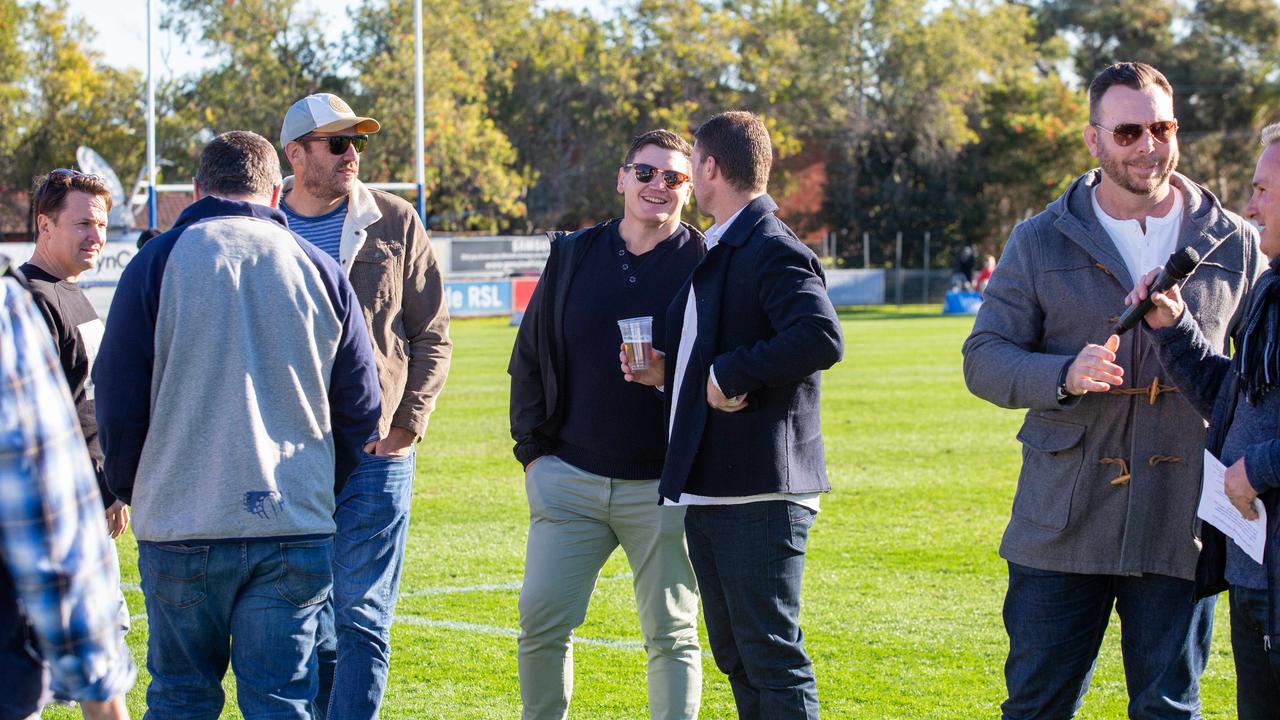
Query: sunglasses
{"x":1126,"y":134}
{"x":644,"y":173}
{"x":64,"y":174}
{"x":338,"y":144}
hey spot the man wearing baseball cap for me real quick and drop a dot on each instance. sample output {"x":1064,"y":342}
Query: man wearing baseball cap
{"x":379,"y":241}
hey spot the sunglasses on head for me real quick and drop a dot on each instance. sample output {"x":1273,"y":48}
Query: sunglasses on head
{"x":1125,"y":134}
{"x":60,"y":174}
{"x":644,"y":173}
{"x":338,"y":144}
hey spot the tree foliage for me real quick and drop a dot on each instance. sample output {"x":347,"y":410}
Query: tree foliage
{"x":74,"y":100}
{"x":957,"y":118}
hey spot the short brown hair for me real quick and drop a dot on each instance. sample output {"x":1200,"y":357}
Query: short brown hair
{"x":739,"y":142}
{"x":1133,"y":75}
{"x":662,"y":138}
{"x":51,"y":190}
{"x":238,"y":163}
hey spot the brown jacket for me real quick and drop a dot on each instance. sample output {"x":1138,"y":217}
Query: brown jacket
{"x":387,"y":254}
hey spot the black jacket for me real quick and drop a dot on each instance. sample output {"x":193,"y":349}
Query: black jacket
{"x":537,"y":359}
{"x":767,"y":324}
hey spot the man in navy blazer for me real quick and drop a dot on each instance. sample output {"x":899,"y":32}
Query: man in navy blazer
{"x":753,"y":329}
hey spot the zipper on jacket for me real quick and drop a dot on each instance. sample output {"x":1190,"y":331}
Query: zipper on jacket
{"x":1266,"y":643}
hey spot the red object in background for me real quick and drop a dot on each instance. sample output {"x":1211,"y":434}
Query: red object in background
{"x":521,"y":291}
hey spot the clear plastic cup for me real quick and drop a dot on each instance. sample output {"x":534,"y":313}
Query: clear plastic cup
{"x":637,"y":336}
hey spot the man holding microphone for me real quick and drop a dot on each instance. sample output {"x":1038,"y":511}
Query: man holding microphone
{"x":1105,"y":511}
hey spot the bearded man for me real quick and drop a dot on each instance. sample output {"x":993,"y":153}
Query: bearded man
{"x":383,"y":248}
{"x":1105,"y":511}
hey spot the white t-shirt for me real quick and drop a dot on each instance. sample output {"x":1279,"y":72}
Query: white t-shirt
{"x":1142,"y":251}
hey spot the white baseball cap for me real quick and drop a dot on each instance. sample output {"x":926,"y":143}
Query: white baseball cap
{"x":323,"y":112}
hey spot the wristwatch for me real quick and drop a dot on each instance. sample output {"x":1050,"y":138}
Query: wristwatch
{"x":1062,"y":384}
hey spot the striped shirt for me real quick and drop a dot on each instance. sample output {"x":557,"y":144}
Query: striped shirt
{"x":323,"y":231}
{"x":53,"y":535}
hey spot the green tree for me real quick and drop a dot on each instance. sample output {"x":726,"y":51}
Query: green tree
{"x":264,"y":55}
{"x":1219,"y":55}
{"x":73,"y":100}
{"x":580,"y":90}
{"x":472,"y":179}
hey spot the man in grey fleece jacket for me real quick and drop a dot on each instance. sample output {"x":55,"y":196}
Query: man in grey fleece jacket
{"x":236,"y":386}
{"x":1104,"y":514}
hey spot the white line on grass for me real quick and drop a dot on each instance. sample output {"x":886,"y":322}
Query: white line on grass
{"x":442,"y":590}
{"x":419,"y":621}
{"x":489,"y":587}
{"x":447,"y":590}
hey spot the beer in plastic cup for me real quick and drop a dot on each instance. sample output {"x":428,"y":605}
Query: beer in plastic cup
{"x":637,"y":336}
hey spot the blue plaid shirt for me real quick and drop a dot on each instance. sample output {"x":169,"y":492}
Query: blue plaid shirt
{"x":53,"y":536}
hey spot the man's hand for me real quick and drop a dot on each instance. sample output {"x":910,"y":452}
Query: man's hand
{"x":113,"y":709}
{"x":717,"y":400}
{"x":1168,"y":306}
{"x":397,"y":443}
{"x":1094,"y":369}
{"x":117,"y":519}
{"x":1239,"y":491}
{"x":654,"y":375}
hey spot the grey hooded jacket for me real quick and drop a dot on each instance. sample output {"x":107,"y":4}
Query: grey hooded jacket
{"x":1109,"y":481}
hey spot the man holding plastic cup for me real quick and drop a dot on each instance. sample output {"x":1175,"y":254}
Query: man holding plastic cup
{"x":592,"y":445}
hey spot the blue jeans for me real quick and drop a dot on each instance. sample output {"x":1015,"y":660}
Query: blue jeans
{"x":354,"y":645}
{"x":1257,"y":667}
{"x":1056,"y":622}
{"x":253,"y":604}
{"x":749,"y":561}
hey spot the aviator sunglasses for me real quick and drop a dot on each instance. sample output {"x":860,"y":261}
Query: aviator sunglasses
{"x":1126,"y":134}
{"x":644,"y":173}
{"x":338,"y":144}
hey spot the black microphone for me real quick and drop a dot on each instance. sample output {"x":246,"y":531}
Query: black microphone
{"x":1180,"y":265}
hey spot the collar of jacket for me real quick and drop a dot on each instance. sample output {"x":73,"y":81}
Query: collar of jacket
{"x":750,"y":216}
{"x":362,"y":211}
{"x":211,"y":206}
{"x":1205,"y":224}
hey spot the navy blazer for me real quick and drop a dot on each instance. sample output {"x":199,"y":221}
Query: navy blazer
{"x":766,"y":323}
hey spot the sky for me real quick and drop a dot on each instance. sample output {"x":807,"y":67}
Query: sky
{"x":120,"y":33}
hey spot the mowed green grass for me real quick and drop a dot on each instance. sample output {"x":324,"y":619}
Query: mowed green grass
{"x":903,"y":585}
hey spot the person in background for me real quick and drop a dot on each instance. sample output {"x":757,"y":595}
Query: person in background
{"x":381,"y":245}
{"x":984,"y":275}
{"x":752,"y":331}
{"x":146,"y":235}
{"x":71,"y":229}
{"x":59,"y":577}
{"x":592,"y":445}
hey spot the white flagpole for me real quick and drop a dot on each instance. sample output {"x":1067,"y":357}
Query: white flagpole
{"x":151,"y":123}
{"x":420,"y":172}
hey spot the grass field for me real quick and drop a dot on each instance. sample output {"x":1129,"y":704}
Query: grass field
{"x":903,"y":584}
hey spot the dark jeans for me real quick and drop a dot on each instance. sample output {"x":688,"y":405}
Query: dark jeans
{"x":1257,"y":668}
{"x":749,"y":561}
{"x":252,"y":604}
{"x":1056,"y":622}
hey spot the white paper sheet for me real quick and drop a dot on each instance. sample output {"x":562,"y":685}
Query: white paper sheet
{"x":1217,"y":510}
